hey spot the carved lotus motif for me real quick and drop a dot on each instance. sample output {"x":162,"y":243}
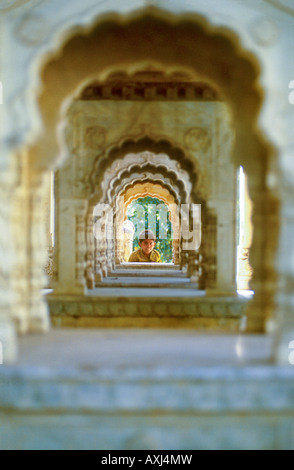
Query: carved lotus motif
{"x":196,"y":139}
{"x":95,"y":137}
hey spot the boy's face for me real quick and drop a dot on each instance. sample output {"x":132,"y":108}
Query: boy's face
{"x":147,"y":246}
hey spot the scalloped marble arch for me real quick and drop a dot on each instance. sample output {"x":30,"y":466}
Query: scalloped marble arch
{"x":153,"y":172}
{"x":147,"y":188}
{"x":154,"y":179}
{"x":183,"y":183}
{"x":160,"y":190}
{"x":224,"y":64}
{"x":131,"y":55}
{"x":145,"y":150}
{"x":138,"y":180}
{"x":143,"y":189}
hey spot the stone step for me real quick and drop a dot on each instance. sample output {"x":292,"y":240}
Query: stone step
{"x":147,"y":281}
{"x":145,"y":389}
{"x":146,"y":266}
{"x":148,"y":273}
{"x":148,"y":307}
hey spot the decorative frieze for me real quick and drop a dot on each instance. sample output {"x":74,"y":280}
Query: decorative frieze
{"x":148,"y":307}
{"x":135,"y":90}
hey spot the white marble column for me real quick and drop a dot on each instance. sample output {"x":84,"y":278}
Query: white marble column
{"x":8,"y":335}
{"x":245,"y":238}
{"x":38,"y":308}
{"x":119,"y":230}
{"x":29,"y":308}
{"x":128,"y":234}
{"x":175,"y":222}
{"x":283,"y":321}
{"x":90,"y":255}
{"x":225,"y":248}
{"x":71,"y":247}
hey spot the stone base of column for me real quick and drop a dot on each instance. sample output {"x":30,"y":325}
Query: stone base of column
{"x":245,"y":271}
{"x":8,"y":343}
{"x":217,"y":292}
{"x":39,"y":319}
{"x":71,"y":288}
{"x":256,"y":315}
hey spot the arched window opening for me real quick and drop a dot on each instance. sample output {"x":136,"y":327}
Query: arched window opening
{"x":153,"y":214}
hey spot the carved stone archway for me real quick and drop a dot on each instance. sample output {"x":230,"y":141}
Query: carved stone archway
{"x":225,"y":66}
{"x":133,"y":154}
{"x":126,"y":177}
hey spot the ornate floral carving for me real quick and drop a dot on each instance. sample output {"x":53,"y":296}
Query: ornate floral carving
{"x":212,"y":308}
{"x":32,"y":29}
{"x":95,"y":137}
{"x":196,"y":139}
{"x":265,"y":31}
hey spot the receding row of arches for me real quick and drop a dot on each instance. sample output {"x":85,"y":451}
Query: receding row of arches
{"x":190,"y":143}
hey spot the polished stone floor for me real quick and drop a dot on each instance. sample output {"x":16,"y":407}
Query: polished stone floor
{"x":168,"y":348}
